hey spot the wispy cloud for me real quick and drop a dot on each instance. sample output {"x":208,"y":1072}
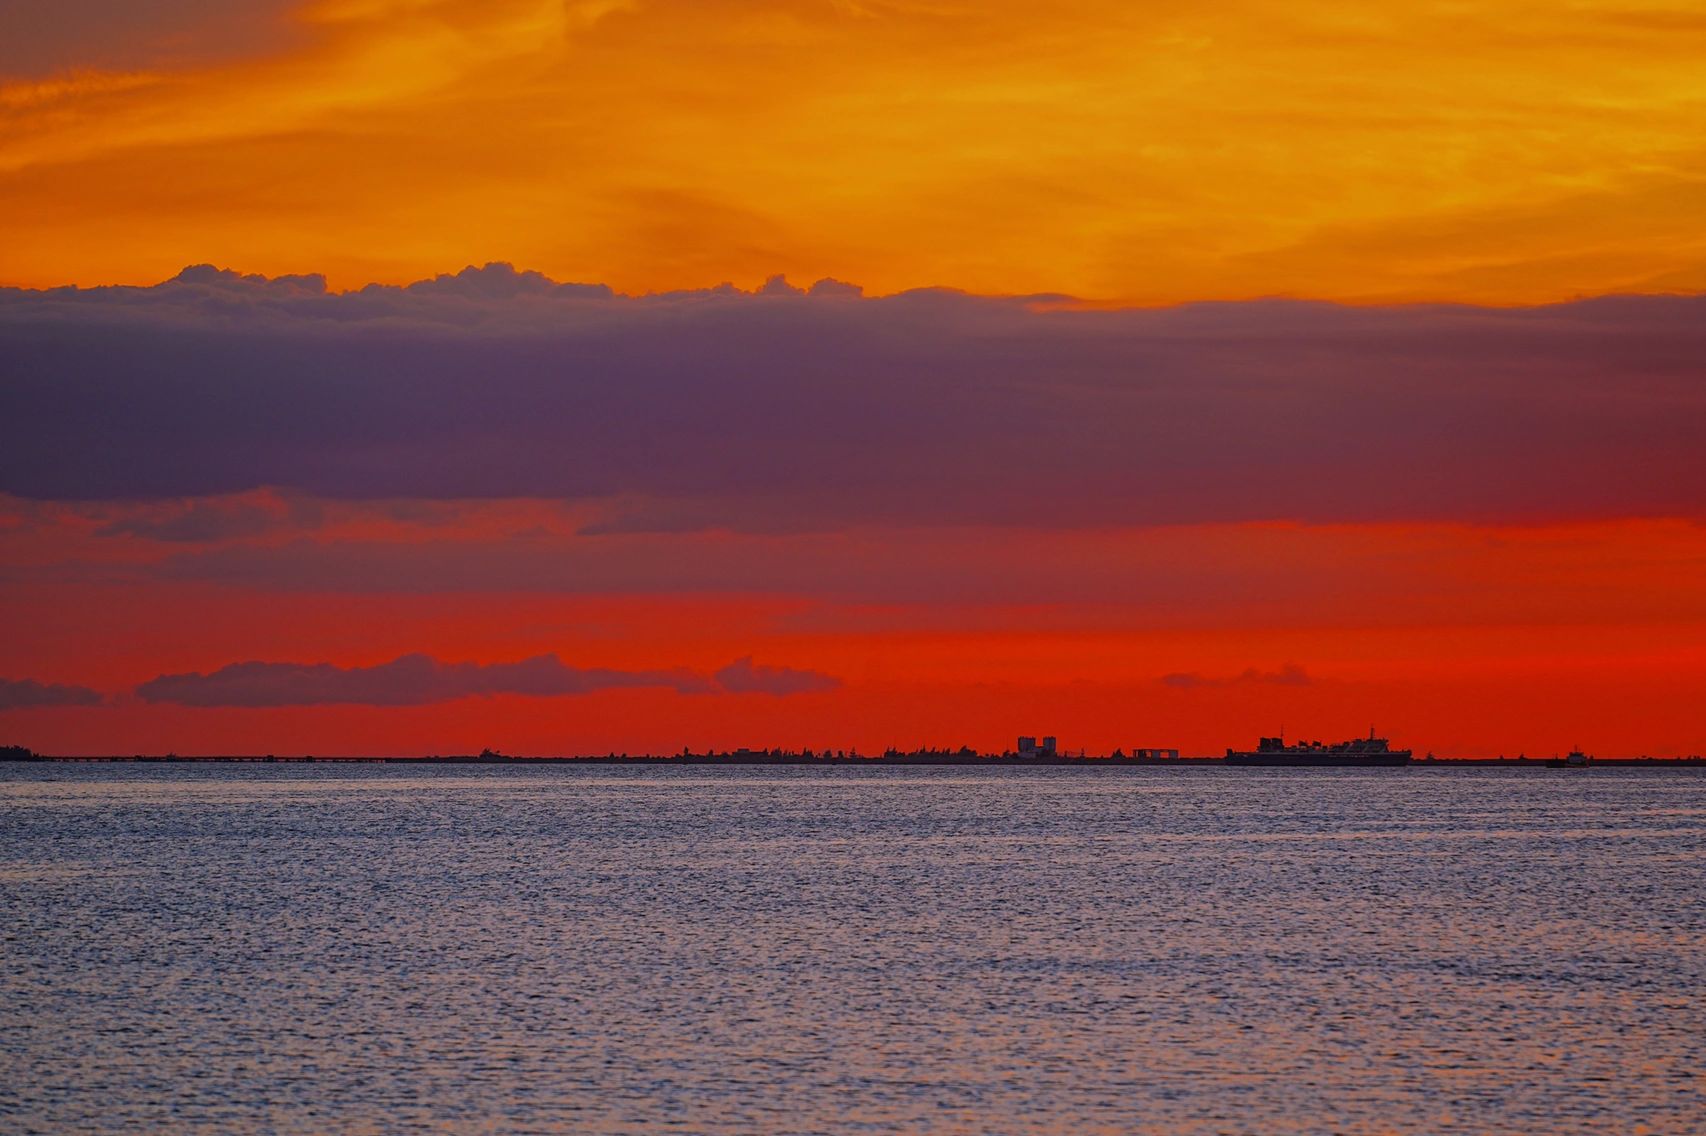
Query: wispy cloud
{"x":212,"y":520}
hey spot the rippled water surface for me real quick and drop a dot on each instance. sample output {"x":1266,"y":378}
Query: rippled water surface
{"x":1198,"y":950}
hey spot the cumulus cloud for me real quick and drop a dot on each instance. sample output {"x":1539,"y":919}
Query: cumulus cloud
{"x":779,"y":411}
{"x":418,"y":679}
{"x":503,"y":282}
{"x":1291,"y":674}
{"x":28,"y":694}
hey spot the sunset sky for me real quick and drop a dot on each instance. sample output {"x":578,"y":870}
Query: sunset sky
{"x":851,"y":373}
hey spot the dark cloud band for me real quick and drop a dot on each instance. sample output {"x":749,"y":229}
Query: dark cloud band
{"x":780,"y":410}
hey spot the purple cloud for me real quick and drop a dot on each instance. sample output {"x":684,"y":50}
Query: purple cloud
{"x":28,"y":694}
{"x":210,"y":520}
{"x":779,"y":411}
{"x":417,"y":679}
{"x":1291,"y":674}
{"x":743,"y":676}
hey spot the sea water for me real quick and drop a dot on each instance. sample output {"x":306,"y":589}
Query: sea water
{"x":306,"y":949}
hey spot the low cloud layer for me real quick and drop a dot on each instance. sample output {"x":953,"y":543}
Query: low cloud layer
{"x":416,"y":680}
{"x":782,"y":410}
{"x":1291,"y":674}
{"x":28,"y":694}
{"x":743,"y":676}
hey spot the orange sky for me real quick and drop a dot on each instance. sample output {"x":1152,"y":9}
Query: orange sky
{"x":1502,"y":152}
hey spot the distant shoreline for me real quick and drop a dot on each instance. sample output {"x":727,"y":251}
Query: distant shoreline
{"x":760,"y":758}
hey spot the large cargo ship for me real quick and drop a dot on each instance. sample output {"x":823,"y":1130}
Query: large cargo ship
{"x":1359,"y":751}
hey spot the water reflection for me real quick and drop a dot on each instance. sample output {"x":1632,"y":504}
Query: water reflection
{"x":298,"y":949}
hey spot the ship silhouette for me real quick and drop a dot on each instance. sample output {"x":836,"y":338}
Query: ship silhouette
{"x":1369,"y":751}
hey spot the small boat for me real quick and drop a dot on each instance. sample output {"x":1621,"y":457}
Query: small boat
{"x":1575,"y":759}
